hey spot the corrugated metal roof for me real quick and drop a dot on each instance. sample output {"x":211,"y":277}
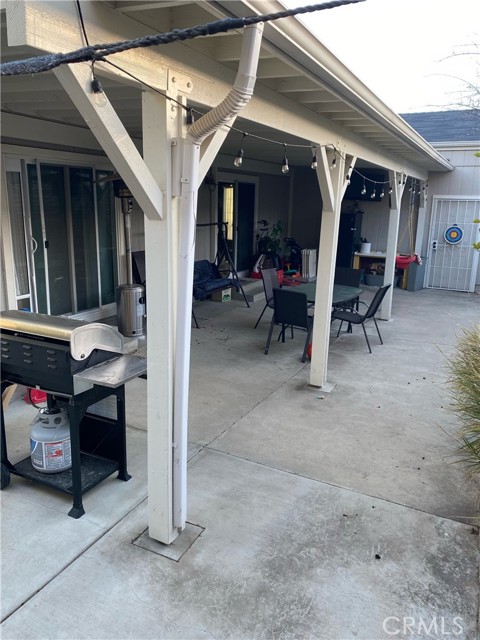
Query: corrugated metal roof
{"x":446,"y":126}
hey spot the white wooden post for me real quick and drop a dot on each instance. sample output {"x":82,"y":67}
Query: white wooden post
{"x":420,"y":231}
{"x":161,"y":124}
{"x":332,"y":184}
{"x":392,"y":241}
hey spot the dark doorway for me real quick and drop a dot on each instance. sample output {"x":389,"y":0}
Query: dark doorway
{"x":236,"y":207}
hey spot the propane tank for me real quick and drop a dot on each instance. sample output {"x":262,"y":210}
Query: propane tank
{"x":50,"y":441}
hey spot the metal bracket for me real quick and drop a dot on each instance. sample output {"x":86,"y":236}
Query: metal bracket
{"x":177,"y":162}
{"x":179,"y":82}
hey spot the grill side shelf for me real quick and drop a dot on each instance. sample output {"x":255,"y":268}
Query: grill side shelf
{"x":115,"y":373}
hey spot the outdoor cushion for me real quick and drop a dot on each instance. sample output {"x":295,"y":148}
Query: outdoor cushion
{"x":207,"y":278}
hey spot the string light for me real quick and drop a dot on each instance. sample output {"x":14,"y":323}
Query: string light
{"x":334,"y":161}
{"x":98,"y":92}
{"x":239,"y":157}
{"x":390,"y":190}
{"x":349,"y":174}
{"x":285,"y":167}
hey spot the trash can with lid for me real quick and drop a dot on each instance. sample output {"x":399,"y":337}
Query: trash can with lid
{"x":416,"y":275}
{"x":130,"y":309}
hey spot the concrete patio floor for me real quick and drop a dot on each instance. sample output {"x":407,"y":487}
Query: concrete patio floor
{"x":332,"y":516}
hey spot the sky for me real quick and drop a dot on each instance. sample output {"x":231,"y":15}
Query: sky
{"x":402,"y":49}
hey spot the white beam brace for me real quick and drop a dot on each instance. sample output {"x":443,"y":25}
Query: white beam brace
{"x":107,"y":127}
{"x":210,"y":149}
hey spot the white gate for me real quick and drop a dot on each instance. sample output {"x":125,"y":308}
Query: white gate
{"x":453,"y":262}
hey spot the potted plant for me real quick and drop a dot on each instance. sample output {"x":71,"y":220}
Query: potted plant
{"x":268,"y":247}
{"x":269,"y":238}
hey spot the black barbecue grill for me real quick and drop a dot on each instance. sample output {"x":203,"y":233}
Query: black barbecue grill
{"x":77,"y":364}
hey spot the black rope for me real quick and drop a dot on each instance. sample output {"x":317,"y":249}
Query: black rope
{"x":82,"y":23}
{"x":97,"y":52}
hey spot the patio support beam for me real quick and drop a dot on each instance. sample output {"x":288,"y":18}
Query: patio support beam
{"x":210,"y":149}
{"x":161,"y":124}
{"x":332,"y":187}
{"x":392,"y":241}
{"x":107,"y":127}
{"x":420,"y":231}
{"x":190,"y":145}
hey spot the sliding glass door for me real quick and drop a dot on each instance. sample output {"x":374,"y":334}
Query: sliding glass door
{"x":69,"y":255}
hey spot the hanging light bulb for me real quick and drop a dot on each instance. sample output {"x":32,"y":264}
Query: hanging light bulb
{"x":382,"y":192}
{"x":239,"y":157}
{"x":99,"y":96}
{"x":314,"y":164}
{"x":364,"y":190}
{"x":373,"y":192}
{"x":285,"y":167}
{"x":390,"y":190}
{"x":334,"y":161}
{"x":349,"y":174}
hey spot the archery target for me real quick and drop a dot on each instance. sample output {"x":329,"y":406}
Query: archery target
{"x":453,"y":235}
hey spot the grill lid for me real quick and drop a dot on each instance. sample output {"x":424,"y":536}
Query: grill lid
{"x":83,"y":337}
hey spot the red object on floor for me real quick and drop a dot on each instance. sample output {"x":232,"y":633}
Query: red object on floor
{"x":35,"y":396}
{"x":309,"y":351}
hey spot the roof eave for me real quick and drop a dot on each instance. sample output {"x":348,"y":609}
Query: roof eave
{"x":320,"y":62}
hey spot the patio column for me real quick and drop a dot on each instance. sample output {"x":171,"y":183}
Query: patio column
{"x":420,"y":230}
{"x":162,"y":122}
{"x":332,"y":183}
{"x":392,"y":241}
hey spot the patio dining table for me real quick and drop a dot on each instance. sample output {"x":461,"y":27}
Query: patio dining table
{"x":341,"y":293}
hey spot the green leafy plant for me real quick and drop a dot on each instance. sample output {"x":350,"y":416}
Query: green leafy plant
{"x":465,"y":383}
{"x":476,"y":245}
{"x":269,"y":238}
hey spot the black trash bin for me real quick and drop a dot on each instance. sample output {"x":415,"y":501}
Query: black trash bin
{"x":416,"y":275}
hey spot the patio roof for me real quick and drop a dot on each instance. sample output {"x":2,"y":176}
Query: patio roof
{"x":314,"y":95}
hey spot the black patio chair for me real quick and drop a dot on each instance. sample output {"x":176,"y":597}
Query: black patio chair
{"x":270,"y":282}
{"x":352,"y":316}
{"x":290,"y":309}
{"x":349,"y":278}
